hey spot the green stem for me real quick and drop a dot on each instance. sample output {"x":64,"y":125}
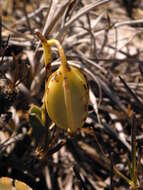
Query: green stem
{"x":133,"y":136}
{"x":60,"y":50}
{"x":117,"y":172}
{"x":47,"y":53}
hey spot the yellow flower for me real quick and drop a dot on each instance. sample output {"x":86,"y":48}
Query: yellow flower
{"x":61,"y":90}
{"x":66,"y":91}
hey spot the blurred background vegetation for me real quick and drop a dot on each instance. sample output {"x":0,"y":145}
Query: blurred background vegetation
{"x":104,"y":39}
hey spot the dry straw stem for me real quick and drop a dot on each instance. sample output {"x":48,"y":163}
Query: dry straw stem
{"x":51,"y":21}
{"x":80,"y":13}
{"x":30,"y":15}
{"x":52,"y":18}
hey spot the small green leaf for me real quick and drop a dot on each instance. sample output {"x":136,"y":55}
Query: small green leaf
{"x":35,"y":110}
{"x":38,"y":129}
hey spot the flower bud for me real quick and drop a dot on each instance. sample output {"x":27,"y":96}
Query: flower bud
{"x":61,"y":90}
{"x":66,"y":90}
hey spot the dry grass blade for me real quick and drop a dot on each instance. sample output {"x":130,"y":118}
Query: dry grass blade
{"x":53,"y":18}
{"x":131,"y":93}
{"x":81,"y":12}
